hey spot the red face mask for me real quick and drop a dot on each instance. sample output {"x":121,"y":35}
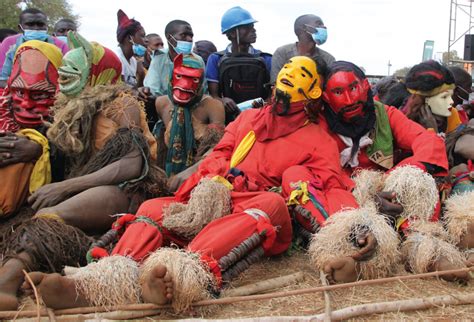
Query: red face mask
{"x":186,"y":82}
{"x":33,"y":88}
{"x":346,"y":94}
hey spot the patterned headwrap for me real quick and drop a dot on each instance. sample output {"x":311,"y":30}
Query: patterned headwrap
{"x":126,"y":26}
{"x":34,"y":68}
{"x":429,"y":78}
{"x":182,"y":147}
{"x":87,"y":64}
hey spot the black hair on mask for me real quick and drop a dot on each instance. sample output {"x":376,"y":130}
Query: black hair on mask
{"x":427,"y":76}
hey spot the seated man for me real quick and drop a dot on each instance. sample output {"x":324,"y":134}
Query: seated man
{"x":234,"y":181}
{"x":367,"y":133}
{"x":311,"y":33}
{"x":25,"y":107}
{"x":34,"y":26}
{"x":102,"y":130}
{"x":194,"y":121}
{"x":240,"y":72}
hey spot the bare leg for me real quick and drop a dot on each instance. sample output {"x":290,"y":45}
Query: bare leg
{"x":443,"y":264}
{"x":11,"y":277}
{"x":57,"y":292}
{"x":341,"y":270}
{"x":158,"y":288}
{"x":91,"y":210}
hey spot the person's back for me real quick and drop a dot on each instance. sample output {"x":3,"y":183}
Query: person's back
{"x":33,"y":24}
{"x":240,"y":72}
{"x":311,"y":33}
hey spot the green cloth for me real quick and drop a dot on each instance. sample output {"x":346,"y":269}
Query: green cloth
{"x":182,"y":145}
{"x":381,"y":151}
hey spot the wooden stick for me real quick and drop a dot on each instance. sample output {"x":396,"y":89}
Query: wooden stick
{"x":327,"y":300}
{"x":398,"y":306}
{"x":230,"y":300}
{"x":51,"y":315}
{"x":38,"y":307}
{"x":263,"y":286}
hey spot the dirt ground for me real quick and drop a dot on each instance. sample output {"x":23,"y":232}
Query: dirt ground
{"x":311,"y":304}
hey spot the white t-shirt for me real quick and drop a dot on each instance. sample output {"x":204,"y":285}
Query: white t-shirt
{"x":129,"y":69}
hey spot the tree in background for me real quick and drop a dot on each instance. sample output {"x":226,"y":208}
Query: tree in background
{"x":401,"y":72}
{"x":448,"y":59}
{"x":54,"y":9}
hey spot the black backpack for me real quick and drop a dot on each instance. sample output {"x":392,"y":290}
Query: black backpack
{"x":243,"y":76}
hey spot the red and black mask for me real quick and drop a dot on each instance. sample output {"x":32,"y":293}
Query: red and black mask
{"x":32,"y":86}
{"x":346,"y":94}
{"x":348,"y":99}
{"x":187,"y":80}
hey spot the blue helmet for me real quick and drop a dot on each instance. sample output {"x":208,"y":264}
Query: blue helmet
{"x":235,"y":17}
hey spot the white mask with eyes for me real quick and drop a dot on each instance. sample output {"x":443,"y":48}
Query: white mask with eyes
{"x":441,"y":103}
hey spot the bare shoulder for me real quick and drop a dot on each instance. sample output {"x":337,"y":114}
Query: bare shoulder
{"x":211,"y":109}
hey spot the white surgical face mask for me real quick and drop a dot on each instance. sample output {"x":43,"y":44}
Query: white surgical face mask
{"x":440,"y":104}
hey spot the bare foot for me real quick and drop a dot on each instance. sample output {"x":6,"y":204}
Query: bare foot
{"x":158,"y":288}
{"x":341,"y":270}
{"x":8,"y":302}
{"x":470,"y":260}
{"x":57,"y":292}
{"x":443,"y":264}
{"x":11,"y":277}
{"x":467,"y":240}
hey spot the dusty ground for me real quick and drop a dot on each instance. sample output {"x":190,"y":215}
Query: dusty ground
{"x":311,"y":304}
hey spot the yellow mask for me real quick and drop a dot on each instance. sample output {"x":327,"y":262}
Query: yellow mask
{"x":299,"y":78}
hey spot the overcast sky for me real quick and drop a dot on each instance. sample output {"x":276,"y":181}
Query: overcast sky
{"x":366,"y":32}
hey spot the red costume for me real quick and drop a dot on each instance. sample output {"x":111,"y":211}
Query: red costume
{"x":287,"y":149}
{"x":425,"y":146}
{"x":376,"y":132}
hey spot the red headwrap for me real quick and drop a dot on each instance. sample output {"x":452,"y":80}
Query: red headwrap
{"x":126,"y":26}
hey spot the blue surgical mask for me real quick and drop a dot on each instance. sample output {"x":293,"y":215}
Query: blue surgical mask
{"x":139,"y":50}
{"x":182,"y":47}
{"x":320,"y":36}
{"x":29,"y":34}
{"x":62,"y":38}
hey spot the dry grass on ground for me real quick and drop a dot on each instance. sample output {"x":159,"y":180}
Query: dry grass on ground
{"x":310,"y":304}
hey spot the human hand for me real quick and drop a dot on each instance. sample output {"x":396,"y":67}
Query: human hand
{"x":230,"y":106}
{"x":367,"y":242}
{"x":49,"y":195}
{"x":144,"y":93}
{"x":16,"y":149}
{"x":175,"y":181}
{"x":427,"y":119}
{"x":387,"y":205}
